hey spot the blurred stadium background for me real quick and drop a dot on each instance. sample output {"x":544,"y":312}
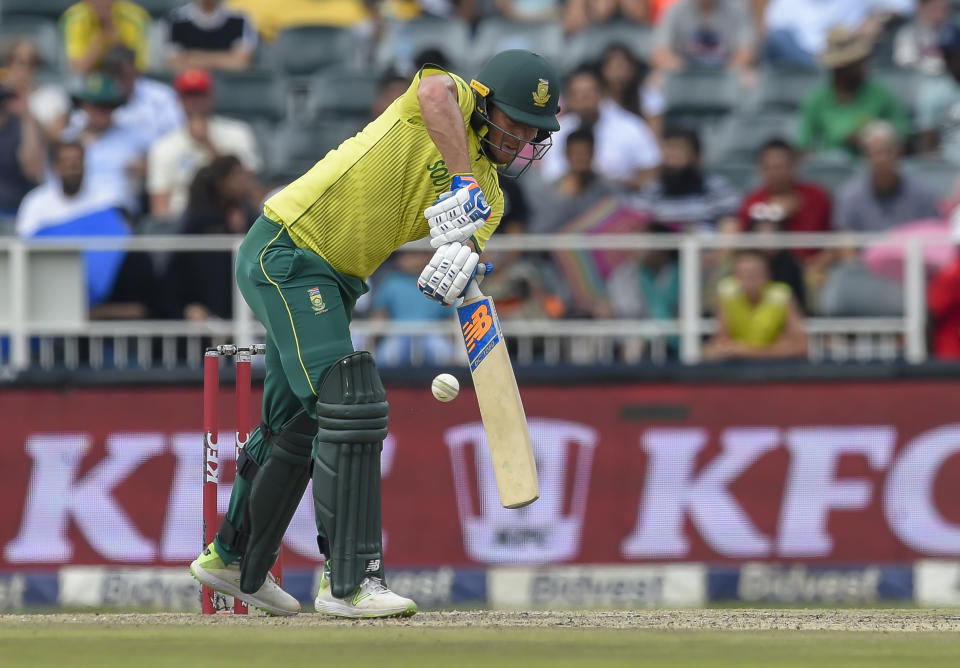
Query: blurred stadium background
{"x":696,"y":446}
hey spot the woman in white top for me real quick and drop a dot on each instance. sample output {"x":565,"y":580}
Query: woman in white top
{"x":623,"y":79}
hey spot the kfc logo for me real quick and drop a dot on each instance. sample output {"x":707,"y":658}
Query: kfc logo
{"x":541,"y":532}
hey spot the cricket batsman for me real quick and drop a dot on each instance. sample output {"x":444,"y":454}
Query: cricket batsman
{"x":428,"y":166}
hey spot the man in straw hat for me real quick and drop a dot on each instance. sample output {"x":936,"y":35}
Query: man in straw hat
{"x":833,"y":114}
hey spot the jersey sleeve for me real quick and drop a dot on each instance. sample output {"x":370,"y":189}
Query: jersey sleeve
{"x":409,"y":104}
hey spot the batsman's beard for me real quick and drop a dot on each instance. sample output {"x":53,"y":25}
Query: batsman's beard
{"x":513,"y":162}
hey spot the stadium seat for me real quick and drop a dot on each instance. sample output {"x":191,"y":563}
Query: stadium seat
{"x":250,"y":95}
{"x":936,"y":173}
{"x":739,"y":136}
{"x":902,"y":83}
{"x":51,"y":9}
{"x":402,"y":41}
{"x":160,"y":8}
{"x":743,"y":175}
{"x":307,"y":49}
{"x":785,"y":89}
{"x":698,"y":96}
{"x":829,"y":173}
{"x":588,"y":44}
{"x":298,"y":146}
{"x":498,"y":34}
{"x":40,"y":30}
{"x":157,"y":33}
{"x":341,"y":93}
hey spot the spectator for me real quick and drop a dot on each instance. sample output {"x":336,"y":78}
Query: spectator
{"x":271,"y":16}
{"x":175,"y":158}
{"x":530,"y":11}
{"x":47,"y":103}
{"x":201,"y":283}
{"x":783,"y":265}
{"x":682,"y":195}
{"x":884,"y":196}
{"x":578,"y":14}
{"x":704,"y":33}
{"x":404,"y":10}
{"x":938,"y":101}
{"x":21,"y":152}
{"x":916,"y":45}
{"x":119,"y":284}
{"x":151,"y":109}
{"x":396,"y":300}
{"x":795,"y":206}
{"x":647,"y":285}
{"x":757,"y":318}
{"x":626,"y":149}
{"x":875,"y":201}
{"x":525,"y":285}
{"x":943,"y":300}
{"x":392,"y":86}
{"x":581,"y":202}
{"x":515,"y":208}
{"x":797,"y":30}
{"x":115,"y":156}
{"x":205,"y":34}
{"x":66,"y":196}
{"x":91,"y":27}
{"x":577,"y":190}
{"x":623,"y":75}
{"x":833,"y":114}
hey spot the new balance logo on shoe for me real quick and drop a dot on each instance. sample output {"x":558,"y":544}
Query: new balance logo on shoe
{"x":373,"y":566}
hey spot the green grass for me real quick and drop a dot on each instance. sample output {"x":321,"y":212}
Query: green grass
{"x":80,"y":645}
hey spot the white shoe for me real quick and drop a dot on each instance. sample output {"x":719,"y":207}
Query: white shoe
{"x":210,"y":570}
{"x":372,"y":599}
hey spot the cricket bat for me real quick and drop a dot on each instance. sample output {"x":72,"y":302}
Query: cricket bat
{"x":501,"y":408}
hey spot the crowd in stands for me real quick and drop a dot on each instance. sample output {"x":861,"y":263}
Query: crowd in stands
{"x":712,"y":117}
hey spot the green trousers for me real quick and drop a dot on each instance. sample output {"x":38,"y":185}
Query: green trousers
{"x":306,"y":306}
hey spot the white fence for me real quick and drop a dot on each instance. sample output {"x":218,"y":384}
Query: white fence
{"x":45,"y":325}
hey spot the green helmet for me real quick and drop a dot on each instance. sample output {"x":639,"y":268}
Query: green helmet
{"x":523,"y":85}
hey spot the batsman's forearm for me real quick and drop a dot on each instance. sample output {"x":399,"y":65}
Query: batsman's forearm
{"x":444,"y":122}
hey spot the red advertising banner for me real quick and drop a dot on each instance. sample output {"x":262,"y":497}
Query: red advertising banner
{"x":816,"y":472}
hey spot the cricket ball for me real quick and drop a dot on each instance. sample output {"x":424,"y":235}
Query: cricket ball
{"x":445,"y":387}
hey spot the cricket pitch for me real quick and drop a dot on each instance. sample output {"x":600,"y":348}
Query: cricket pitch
{"x":462,"y":639}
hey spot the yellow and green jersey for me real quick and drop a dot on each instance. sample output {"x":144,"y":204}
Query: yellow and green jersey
{"x":81,"y":26}
{"x":366,"y":198}
{"x":757,"y":325}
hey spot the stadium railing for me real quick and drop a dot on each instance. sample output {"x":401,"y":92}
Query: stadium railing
{"x":48,"y":341}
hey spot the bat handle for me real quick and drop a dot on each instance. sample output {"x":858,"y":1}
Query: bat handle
{"x":473,"y":290}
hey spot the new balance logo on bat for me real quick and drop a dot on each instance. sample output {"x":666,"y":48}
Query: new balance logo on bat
{"x":481,"y":332}
{"x":480,"y":323}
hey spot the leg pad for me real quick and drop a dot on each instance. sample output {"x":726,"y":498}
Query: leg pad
{"x":352,"y":412}
{"x":274,"y":496}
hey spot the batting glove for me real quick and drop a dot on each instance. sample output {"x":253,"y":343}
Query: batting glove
{"x":447,"y":275}
{"x":457,"y":214}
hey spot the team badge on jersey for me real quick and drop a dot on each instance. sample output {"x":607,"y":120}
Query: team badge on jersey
{"x":316,"y":301}
{"x":542,"y":95}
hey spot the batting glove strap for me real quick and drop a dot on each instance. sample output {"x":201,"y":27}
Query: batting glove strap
{"x":458,"y":214}
{"x":448,"y":273}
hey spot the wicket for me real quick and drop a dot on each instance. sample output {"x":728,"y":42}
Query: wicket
{"x":212,"y":602}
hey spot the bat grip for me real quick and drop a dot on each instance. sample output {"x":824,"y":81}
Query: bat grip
{"x":473,"y":290}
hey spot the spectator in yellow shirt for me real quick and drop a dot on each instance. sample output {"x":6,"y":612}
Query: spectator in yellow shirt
{"x":271,"y":16}
{"x":758,"y":318}
{"x":91,"y":27}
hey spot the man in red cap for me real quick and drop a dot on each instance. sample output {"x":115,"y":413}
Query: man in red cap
{"x":175,"y":158}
